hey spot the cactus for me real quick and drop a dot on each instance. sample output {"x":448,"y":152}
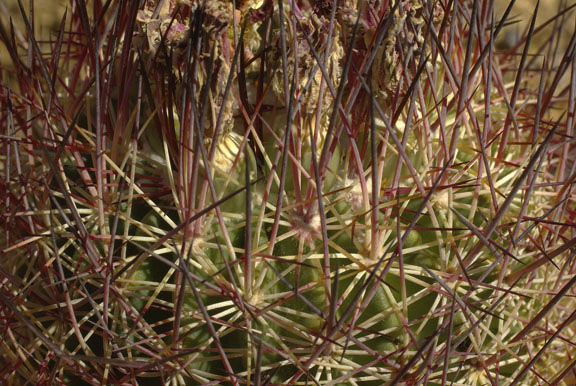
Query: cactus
{"x":287,"y":193}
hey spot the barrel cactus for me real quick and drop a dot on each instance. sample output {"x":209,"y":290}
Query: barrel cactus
{"x":286,"y":193}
